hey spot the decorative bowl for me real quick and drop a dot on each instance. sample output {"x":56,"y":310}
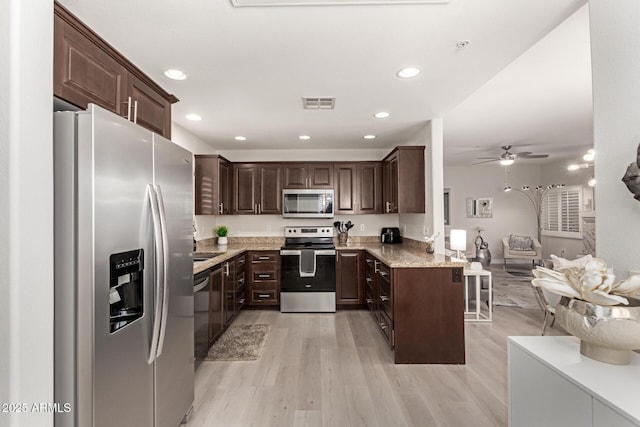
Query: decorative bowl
{"x":606,"y":333}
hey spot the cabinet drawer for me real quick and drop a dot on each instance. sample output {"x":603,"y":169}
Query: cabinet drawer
{"x":264,"y":276}
{"x":240,"y":298}
{"x":270,"y":257}
{"x":385,"y":298}
{"x":240,"y":281}
{"x":241,"y":261}
{"x":369,"y":265}
{"x":264,"y":296}
{"x":385,"y":327}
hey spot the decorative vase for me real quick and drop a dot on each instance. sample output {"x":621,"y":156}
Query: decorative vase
{"x":342,"y":238}
{"x":430,"y":249}
{"x":607,"y":333}
{"x":483,"y":256}
{"x":222,"y":241}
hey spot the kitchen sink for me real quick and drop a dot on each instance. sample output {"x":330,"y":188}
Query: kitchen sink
{"x":205,"y":256}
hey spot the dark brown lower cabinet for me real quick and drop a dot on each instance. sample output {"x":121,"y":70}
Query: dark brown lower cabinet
{"x":216,"y":304}
{"x":418,"y":310}
{"x":350,"y":278}
{"x":429,"y":315}
{"x":263,"y":281}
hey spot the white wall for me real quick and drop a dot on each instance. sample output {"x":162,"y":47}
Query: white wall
{"x":557,"y":173}
{"x":512,"y":212}
{"x":417,"y":226}
{"x":26,"y":208}
{"x":273,"y":225}
{"x":616,"y":69}
{"x":189,"y":141}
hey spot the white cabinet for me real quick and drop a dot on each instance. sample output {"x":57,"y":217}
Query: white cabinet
{"x":552,"y":384}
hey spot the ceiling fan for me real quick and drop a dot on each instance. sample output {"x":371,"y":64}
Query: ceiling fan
{"x":507,"y":158}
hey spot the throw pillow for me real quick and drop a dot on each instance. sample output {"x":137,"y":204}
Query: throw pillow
{"x":520,"y":243}
{"x":560,"y":264}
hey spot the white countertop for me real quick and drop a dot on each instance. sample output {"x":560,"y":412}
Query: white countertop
{"x":618,"y":385}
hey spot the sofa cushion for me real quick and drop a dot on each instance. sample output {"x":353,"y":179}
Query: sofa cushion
{"x":520,"y":243}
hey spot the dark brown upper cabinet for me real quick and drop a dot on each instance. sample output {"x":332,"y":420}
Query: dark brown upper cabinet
{"x":308,"y":175}
{"x":358,"y":188}
{"x":403,"y":180}
{"x":212,"y":185}
{"x":86,"y":69}
{"x":257,"y":188}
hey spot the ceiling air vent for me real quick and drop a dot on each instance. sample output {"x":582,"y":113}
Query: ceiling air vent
{"x":318,"y":103}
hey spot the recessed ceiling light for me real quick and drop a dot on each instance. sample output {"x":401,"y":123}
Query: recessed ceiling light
{"x":304,"y":137}
{"x":369,"y":137}
{"x":193,"y":117}
{"x":462,"y":44}
{"x":240,"y":138}
{"x":175,"y":74}
{"x":407,"y":73}
{"x":381,"y":115}
{"x":506,"y":162}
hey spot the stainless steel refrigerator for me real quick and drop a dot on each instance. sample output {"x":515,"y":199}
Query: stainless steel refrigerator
{"x":123,"y":273}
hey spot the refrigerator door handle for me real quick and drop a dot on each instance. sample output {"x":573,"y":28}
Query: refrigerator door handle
{"x":157,"y":231}
{"x":165,"y":264}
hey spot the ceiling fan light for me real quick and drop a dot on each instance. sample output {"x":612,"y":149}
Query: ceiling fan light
{"x":506,"y":162}
{"x":507,"y":188}
{"x":573,"y":167}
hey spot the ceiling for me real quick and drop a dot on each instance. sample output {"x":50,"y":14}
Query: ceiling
{"x":249,"y":67}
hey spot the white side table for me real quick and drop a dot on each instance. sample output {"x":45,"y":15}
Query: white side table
{"x":477,"y":315}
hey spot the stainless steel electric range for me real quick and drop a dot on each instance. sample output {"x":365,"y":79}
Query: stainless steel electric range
{"x":308,"y":281}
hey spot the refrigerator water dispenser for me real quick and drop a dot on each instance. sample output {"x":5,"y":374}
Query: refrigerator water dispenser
{"x":126,"y":288}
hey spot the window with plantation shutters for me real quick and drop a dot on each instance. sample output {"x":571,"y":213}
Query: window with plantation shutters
{"x":560,"y":212}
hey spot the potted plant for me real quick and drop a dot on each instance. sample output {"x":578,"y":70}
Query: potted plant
{"x":222,"y":232}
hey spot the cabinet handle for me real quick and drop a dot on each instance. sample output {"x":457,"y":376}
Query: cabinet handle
{"x":383,"y":326}
{"x":135,"y":112}
{"x":221,"y":208}
{"x":368,"y":279}
{"x":375,"y":266}
{"x":384,"y":298}
{"x":369,"y":300}
{"x":226,"y":269}
{"x":263,"y":258}
{"x":241,"y":301}
{"x":128,"y":103}
{"x":263,"y":295}
{"x":241,"y":281}
{"x":264,"y":276}
{"x":255,"y":209}
{"x":383,"y":273}
{"x":369,"y":261}
{"x":259,"y":208}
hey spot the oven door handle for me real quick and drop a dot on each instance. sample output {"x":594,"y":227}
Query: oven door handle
{"x":325,"y":252}
{"x":290,"y":252}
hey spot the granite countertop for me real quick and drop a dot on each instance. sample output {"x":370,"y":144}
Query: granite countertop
{"x":395,"y":256}
{"x":229,"y":251}
{"x":404,"y":256}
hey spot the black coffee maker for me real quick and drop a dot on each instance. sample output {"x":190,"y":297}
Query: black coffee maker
{"x":390,"y":235}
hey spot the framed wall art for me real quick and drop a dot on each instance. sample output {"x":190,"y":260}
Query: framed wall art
{"x":479,"y":207}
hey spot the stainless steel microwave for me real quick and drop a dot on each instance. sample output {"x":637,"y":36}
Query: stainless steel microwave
{"x":309,"y":203}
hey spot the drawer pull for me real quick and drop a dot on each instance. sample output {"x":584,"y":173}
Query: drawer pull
{"x":264,"y":276}
{"x":369,"y":300}
{"x":264,"y":258}
{"x":241,"y":301}
{"x":383,"y":273}
{"x":383,"y":326}
{"x":384,"y":298}
{"x":369,"y":261}
{"x":368,"y":279}
{"x":264,"y":295}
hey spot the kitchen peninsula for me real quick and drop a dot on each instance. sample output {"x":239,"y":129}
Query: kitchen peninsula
{"x":415,"y":298}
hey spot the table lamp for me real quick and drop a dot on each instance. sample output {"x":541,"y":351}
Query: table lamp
{"x":458,"y":241}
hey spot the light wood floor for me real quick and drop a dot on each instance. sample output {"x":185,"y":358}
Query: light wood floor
{"x":335,"y":370}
